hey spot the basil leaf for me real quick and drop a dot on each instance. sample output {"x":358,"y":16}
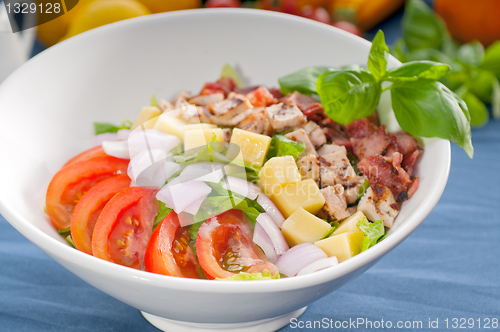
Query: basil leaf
{"x":480,"y":83}
{"x":420,"y":69}
{"x":228,"y":71}
{"x":478,"y":112}
{"x":491,"y":59}
{"x":281,"y":146}
{"x":348,"y":95}
{"x":421,"y":27}
{"x":303,"y":81}
{"x":398,"y":50}
{"x":374,"y":232}
{"x":495,"y":100}
{"x":377,"y":59}
{"x":430,"y":109}
{"x":471,"y":53}
{"x":104,"y":127}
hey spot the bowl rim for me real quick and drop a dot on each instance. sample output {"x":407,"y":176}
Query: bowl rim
{"x":64,"y":252}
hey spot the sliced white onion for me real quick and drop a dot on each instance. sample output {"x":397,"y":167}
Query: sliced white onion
{"x":118,"y":149}
{"x":98,"y":139}
{"x":194,"y":207}
{"x":150,"y":139}
{"x":242,"y":187}
{"x":271,"y":209}
{"x":320,"y":264}
{"x":143,"y":160}
{"x":185,"y":219}
{"x":123,"y":133}
{"x":263,"y":240}
{"x":299,"y":257}
{"x":275,"y":234}
{"x":152,"y":168}
{"x":179,"y":196}
{"x":208,"y":172}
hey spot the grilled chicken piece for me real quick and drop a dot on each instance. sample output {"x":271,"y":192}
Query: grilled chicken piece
{"x":378,"y":203}
{"x":226,"y":132}
{"x":257,"y":123}
{"x":316,"y":134}
{"x":309,"y":167}
{"x":230,"y":111}
{"x":261,"y":97}
{"x":205,"y":100}
{"x":335,"y":207}
{"x":336,"y":169}
{"x":194,"y":114}
{"x":331,"y":148}
{"x":285,"y":115}
{"x":351,"y":193}
{"x":165,"y":106}
{"x":183,"y":95}
{"x":300,"y":135}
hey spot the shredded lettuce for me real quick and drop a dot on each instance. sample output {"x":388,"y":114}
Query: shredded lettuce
{"x":104,"y":127}
{"x":282,"y":146}
{"x":265,"y":275}
{"x":374,"y":232}
{"x":228,"y":71}
{"x":154,"y":102}
{"x":70,"y":241}
{"x":162,"y":213}
{"x":64,"y":231}
{"x":363,"y":189}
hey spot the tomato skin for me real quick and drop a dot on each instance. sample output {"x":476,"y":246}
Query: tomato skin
{"x":349,"y":27}
{"x":217,"y":240}
{"x":94,"y":152}
{"x":223,"y":3}
{"x":89,"y":207}
{"x":318,"y":14}
{"x":162,"y":253}
{"x":72,"y":181}
{"x":124,"y":227}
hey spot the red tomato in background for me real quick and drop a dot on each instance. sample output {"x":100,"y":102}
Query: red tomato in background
{"x":349,"y":27}
{"x":88,"y":209}
{"x":225,"y":247}
{"x":168,"y":251}
{"x":284,"y":6}
{"x":89,"y":154}
{"x":319,"y":14}
{"x":124,"y":227}
{"x":72,"y":181}
{"x":222,"y":3}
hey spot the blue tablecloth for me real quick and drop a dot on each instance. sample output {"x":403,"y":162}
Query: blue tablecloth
{"x":448,"y":269}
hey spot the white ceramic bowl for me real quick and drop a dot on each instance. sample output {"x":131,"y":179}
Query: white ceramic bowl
{"x":48,"y":106}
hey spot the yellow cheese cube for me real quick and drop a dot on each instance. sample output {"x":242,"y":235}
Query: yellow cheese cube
{"x":170,"y":125}
{"x":253,"y":147}
{"x":303,"y":226}
{"x":305,"y":194}
{"x":200,"y":137}
{"x":199,"y":126}
{"x":276,"y":172}
{"x":147,"y":113}
{"x":350,"y":225}
{"x":343,"y":246}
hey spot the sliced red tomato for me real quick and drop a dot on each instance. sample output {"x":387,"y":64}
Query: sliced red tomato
{"x":223,"y":85}
{"x":123,"y":229}
{"x":89,"y":154}
{"x":89,"y":207}
{"x":72,"y":181}
{"x":224,"y":246}
{"x":168,"y":250}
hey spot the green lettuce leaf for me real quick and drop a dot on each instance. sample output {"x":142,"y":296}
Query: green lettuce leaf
{"x":104,"y":127}
{"x":162,"y":213}
{"x":266,"y":275}
{"x":228,"y":71}
{"x":281,"y":146}
{"x":374,"y":232}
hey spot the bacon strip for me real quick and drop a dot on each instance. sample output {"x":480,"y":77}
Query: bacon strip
{"x":360,"y":128}
{"x":376,"y":143}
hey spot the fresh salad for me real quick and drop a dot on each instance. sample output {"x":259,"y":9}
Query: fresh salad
{"x":249,"y":183}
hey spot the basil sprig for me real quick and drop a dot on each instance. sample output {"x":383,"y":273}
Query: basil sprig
{"x":423,"y":106}
{"x":475,"y":72}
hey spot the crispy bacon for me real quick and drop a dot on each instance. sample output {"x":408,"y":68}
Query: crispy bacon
{"x":388,"y":172}
{"x":376,"y":143}
{"x":302,"y":101}
{"x":276,"y":93}
{"x":223,"y":85}
{"x":409,"y":148}
{"x":315,"y":112}
{"x":338,"y":138}
{"x":360,"y":128}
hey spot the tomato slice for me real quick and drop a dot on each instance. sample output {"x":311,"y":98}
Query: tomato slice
{"x":224,"y":246}
{"x":89,"y":207}
{"x":168,"y":250}
{"x":89,"y":154}
{"x":124,"y":227}
{"x":72,"y":181}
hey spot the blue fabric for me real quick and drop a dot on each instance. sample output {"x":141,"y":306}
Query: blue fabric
{"x":448,"y":268}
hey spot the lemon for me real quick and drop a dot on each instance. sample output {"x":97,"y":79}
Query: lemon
{"x":159,"y":6}
{"x":102,"y":12}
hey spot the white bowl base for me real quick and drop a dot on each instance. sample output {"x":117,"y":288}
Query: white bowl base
{"x":269,"y":324}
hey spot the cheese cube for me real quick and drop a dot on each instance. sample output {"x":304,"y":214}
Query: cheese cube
{"x":276,"y":172}
{"x":201,"y":137}
{"x":253,"y":147}
{"x":343,"y":246}
{"x":303,"y":226}
{"x":199,"y":126}
{"x":147,"y":113}
{"x":350,"y":225}
{"x":170,"y":125}
{"x":305,"y":194}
